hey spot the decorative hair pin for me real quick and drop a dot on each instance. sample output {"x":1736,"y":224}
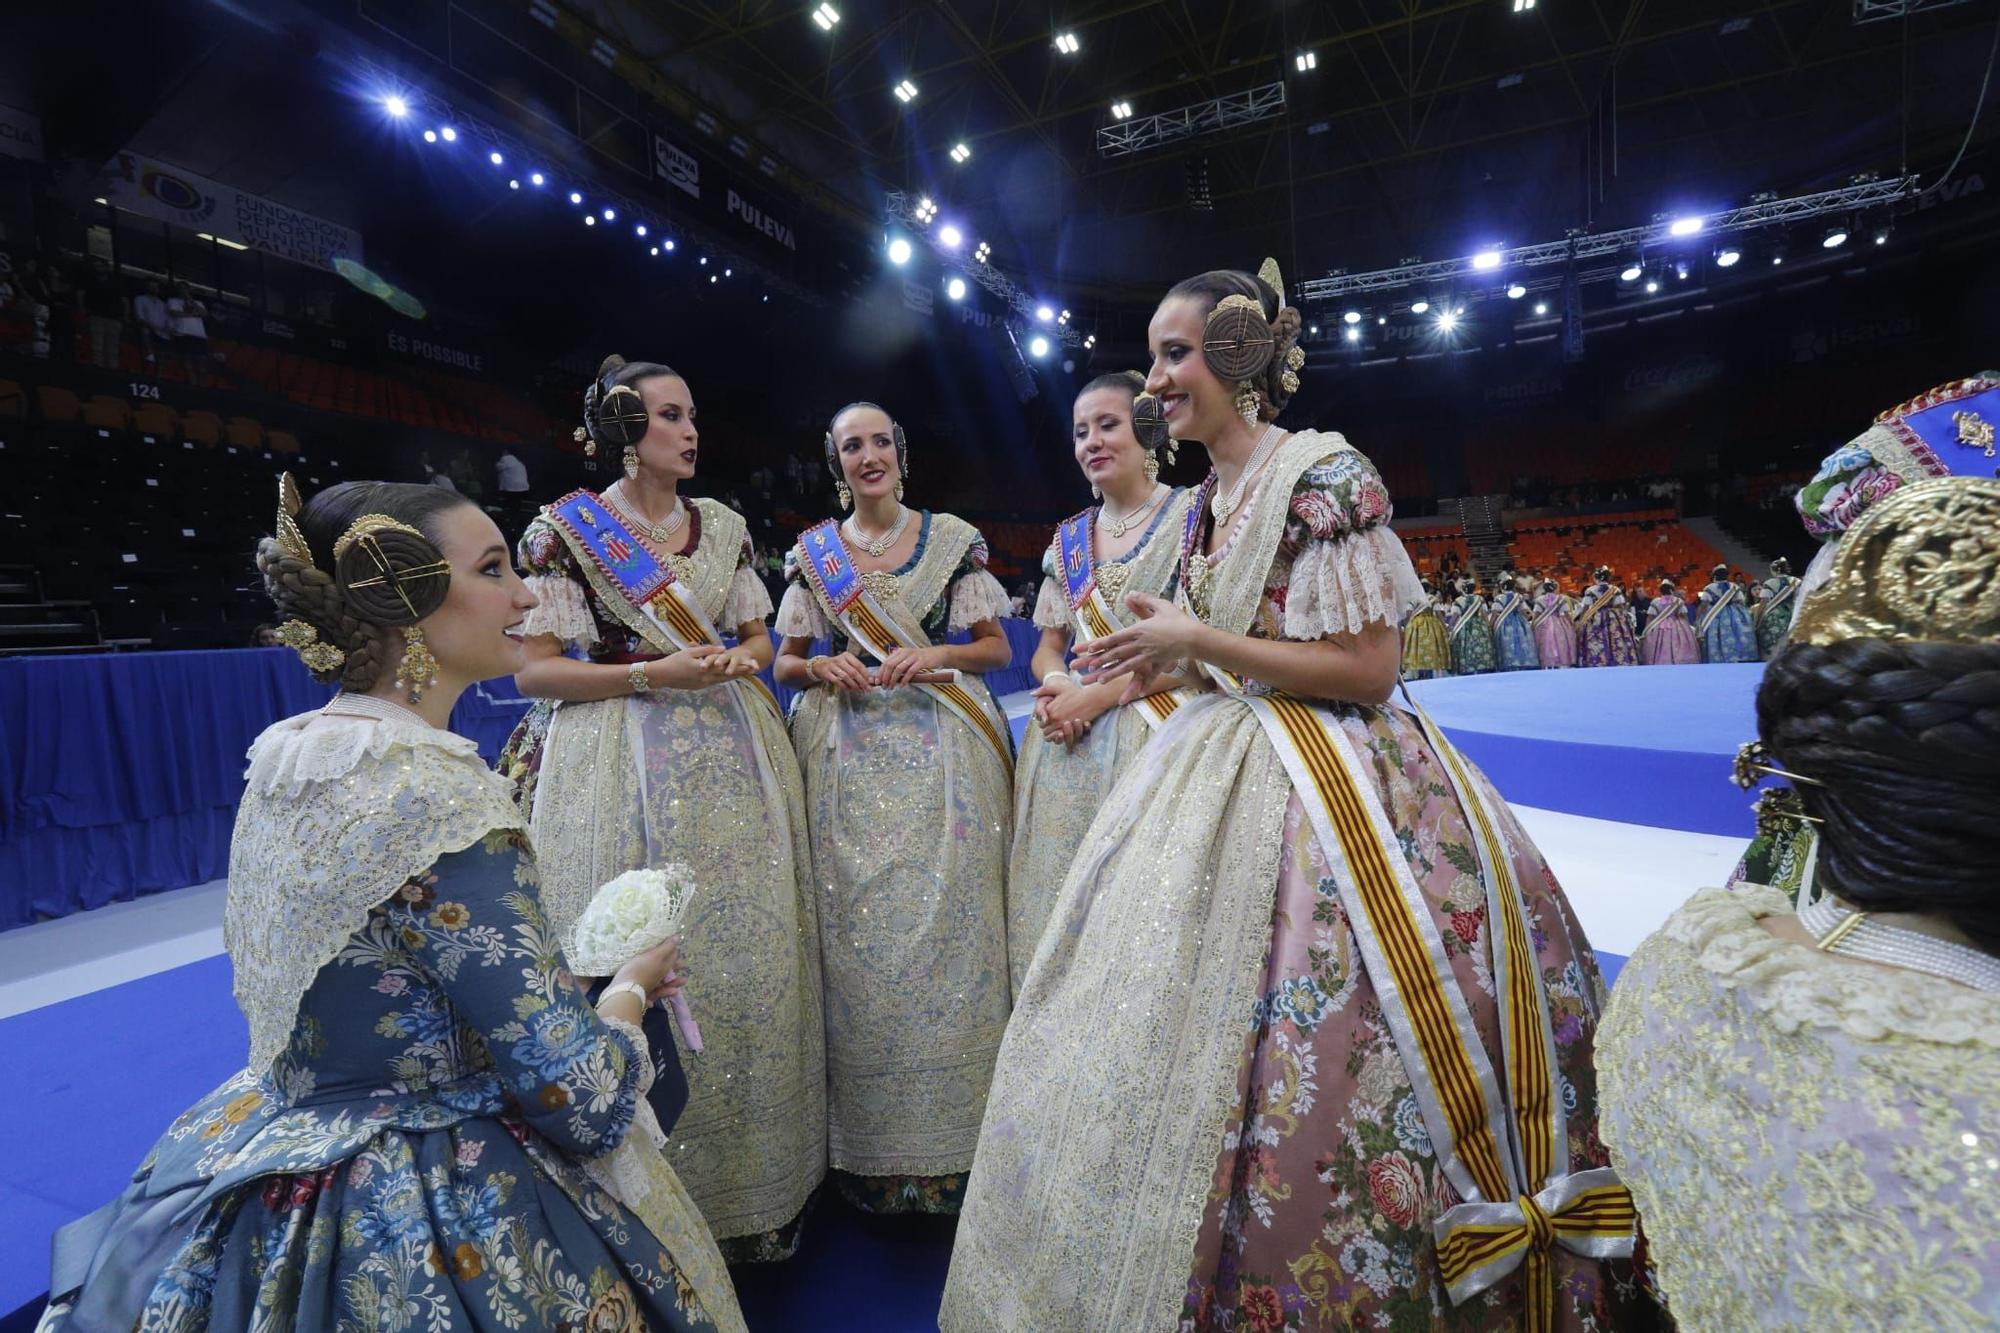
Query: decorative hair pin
{"x":1752,"y":759}
{"x":304,"y":640}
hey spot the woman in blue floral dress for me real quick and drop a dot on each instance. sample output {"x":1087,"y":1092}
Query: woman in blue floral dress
{"x":433,"y":1126}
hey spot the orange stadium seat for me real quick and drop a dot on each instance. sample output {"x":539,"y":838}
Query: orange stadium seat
{"x":58,"y":404}
{"x":245,"y":433}
{"x":156,"y":419}
{"x":203,"y":427}
{"x":107,"y":413}
{"x":13,"y":402}
{"x":281,"y":442}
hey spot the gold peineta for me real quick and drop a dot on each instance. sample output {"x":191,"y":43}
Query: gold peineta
{"x":1923,"y":564}
{"x":1268,"y":271}
{"x":290,"y":539}
{"x":367,"y":525}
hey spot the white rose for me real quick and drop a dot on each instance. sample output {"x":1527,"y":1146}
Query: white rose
{"x":628,"y":916}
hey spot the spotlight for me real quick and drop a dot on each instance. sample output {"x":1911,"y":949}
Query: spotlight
{"x":892,"y":248}
{"x":712,"y":279}
{"x":575,"y":198}
{"x":729,"y":273}
{"x":899,"y":252}
{"x":1419,"y":306}
{"x":1306,"y":61}
{"x":1630,"y":273}
{"x":926,"y":209}
{"x":1728,"y":256}
{"x":950,"y":237}
{"x":513,"y":184}
{"x":1091,"y":341}
{"x":639,"y":230}
{"x":980,"y":255}
{"x":1044,"y":313}
{"x":1447,"y":320}
{"x":955,"y":289}
{"x":590,"y":219}
{"x":1354,"y":335}
{"x":495,"y":158}
{"x":448,"y":134}
{"x":906,"y":92}
{"x":1523,"y":6}
{"x":1312,"y":331}
{"x":1515,"y":291}
{"x":1063,"y":319}
{"x":1067,"y":44}
{"x":667,"y":245}
{"x":1881,"y":236}
{"x":610,"y":215}
{"x":655,"y":252}
{"x":826,"y":16}
{"x":1689,"y":226}
{"x":1381,"y":319}
{"x":1121,"y":110}
{"x":396,"y":106}
{"x":1652,"y":285}
{"x":1038,"y":346}
{"x":1486,"y":261}
{"x":960,"y":154}
{"x":430,"y":136}
{"x":537,"y":179}
{"x":1541,"y":307}
{"x":1352,"y":317}
{"x":1835,"y":237}
{"x":1777,"y":259}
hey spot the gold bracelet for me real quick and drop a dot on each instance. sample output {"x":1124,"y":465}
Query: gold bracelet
{"x":812,"y":667}
{"x":637,"y":678}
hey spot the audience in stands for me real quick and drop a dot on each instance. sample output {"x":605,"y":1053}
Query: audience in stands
{"x":189,"y":315}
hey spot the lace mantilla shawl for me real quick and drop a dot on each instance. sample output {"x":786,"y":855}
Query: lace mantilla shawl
{"x":1812,"y":1143}
{"x":342,"y":807}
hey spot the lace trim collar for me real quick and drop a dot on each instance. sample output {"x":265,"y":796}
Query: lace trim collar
{"x":1796,"y":986}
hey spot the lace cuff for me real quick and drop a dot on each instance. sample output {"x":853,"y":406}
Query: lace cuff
{"x":1051,"y":607}
{"x":563,"y":610}
{"x":640,"y":1050}
{"x":1343,"y":585}
{"x":800,"y":616}
{"x":975,"y":597}
{"x":748,"y":599}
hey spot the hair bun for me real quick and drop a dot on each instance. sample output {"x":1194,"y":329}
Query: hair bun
{"x":391,"y":575}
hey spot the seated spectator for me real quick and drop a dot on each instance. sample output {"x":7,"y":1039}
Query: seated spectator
{"x":265,"y":636}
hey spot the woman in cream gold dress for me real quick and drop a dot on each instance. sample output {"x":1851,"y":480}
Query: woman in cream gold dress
{"x":909,"y":773}
{"x":1804,"y":1099}
{"x":1309,"y":999}
{"x":434,"y":1128}
{"x":1074,"y":752}
{"x":665,"y":747}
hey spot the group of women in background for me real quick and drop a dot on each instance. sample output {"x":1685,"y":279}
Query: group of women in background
{"x":1530,"y":624}
{"x":1238,"y":1000}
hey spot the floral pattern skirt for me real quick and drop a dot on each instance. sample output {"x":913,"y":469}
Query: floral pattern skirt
{"x":1319,"y":1215}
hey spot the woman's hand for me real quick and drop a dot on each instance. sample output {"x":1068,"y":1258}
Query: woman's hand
{"x":903,"y":663}
{"x":687,"y":669}
{"x":658,"y":970}
{"x":1053,"y":687}
{"x":843,"y":671}
{"x":1160,"y":640}
{"x":732,"y":664}
{"x":1068,"y":716}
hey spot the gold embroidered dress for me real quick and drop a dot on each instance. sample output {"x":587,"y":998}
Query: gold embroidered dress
{"x":1200,"y":1118}
{"x":1813,"y":1143}
{"x":1057,"y":788}
{"x":910,"y":807}
{"x":706,"y":778}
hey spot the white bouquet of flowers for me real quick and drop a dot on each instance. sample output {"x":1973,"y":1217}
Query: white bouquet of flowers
{"x":633,"y":913}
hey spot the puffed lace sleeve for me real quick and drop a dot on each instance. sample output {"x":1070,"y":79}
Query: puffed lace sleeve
{"x":1051,"y":607}
{"x":748,"y":599}
{"x":549,"y":571}
{"x":975,"y":594}
{"x":799,"y":613}
{"x":1349,"y":569}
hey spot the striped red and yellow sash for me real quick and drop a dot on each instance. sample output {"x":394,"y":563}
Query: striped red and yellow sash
{"x":1093,"y":621}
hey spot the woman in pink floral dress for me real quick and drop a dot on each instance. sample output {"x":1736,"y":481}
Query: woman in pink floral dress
{"x":1202,"y":1116}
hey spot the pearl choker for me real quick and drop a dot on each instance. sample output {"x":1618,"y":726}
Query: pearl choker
{"x":1842,"y":930}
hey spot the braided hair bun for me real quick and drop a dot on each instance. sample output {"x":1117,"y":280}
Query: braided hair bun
{"x":1896,"y":734}
{"x":321,"y":590}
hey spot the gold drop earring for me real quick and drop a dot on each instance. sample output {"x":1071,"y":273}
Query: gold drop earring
{"x":418,"y":670}
{"x":631,"y":463}
{"x":1152,"y":466}
{"x":1246,"y":403}
{"x":844,"y":495}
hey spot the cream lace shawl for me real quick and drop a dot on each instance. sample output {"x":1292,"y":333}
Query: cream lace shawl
{"x":342,"y":807}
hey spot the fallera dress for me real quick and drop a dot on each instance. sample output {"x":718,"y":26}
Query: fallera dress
{"x":1723,"y":624}
{"x":1426,"y":644}
{"x":1513,"y":635}
{"x":1555,"y":632}
{"x":1604,"y":629}
{"x":1472,"y":651}
{"x":1669,"y":638}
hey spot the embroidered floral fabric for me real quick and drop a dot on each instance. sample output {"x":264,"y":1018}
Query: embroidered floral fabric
{"x":1811,"y":1142}
{"x":1729,"y":636}
{"x":422,"y":1144}
{"x":1605,"y":639}
{"x":1669,"y":638}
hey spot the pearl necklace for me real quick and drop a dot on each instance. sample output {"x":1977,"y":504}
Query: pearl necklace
{"x":879,"y":547}
{"x":657,"y":533}
{"x":1842,"y":930}
{"x":1124,"y":523}
{"x":1222,"y":506}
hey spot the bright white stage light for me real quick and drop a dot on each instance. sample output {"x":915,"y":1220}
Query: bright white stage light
{"x":1121,"y":110}
{"x":826,"y":16}
{"x":1354,"y":335}
{"x":495,"y":158}
{"x":1352,"y":317}
{"x":1306,"y":62}
{"x":537,"y":179}
{"x":448,"y":134}
{"x":1419,"y":306}
{"x":1836,"y":236}
{"x":668,"y":246}
{"x":1630,"y":273}
{"x":1447,"y":320}
{"x":1541,"y":307}
{"x":960,"y":153}
{"x":1685,"y":227}
{"x":1045,"y":313}
{"x":1038,"y":346}
{"x":575,"y":198}
{"x":639,"y":230}
{"x":655,"y":252}
{"x":430,"y":136}
{"x":396,"y":106}
{"x":1486,"y":261}
{"x":1727,"y":257}
{"x":899,"y":252}
{"x":1516,"y":291}
{"x":980,"y":255}
{"x":590,"y":219}
{"x":950,"y":237}
{"x":955,"y":289}
{"x":514,"y":184}
{"x":906,"y":92}
{"x":1652,"y":285}
{"x":610,"y":215}
{"x":1067,"y":44}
